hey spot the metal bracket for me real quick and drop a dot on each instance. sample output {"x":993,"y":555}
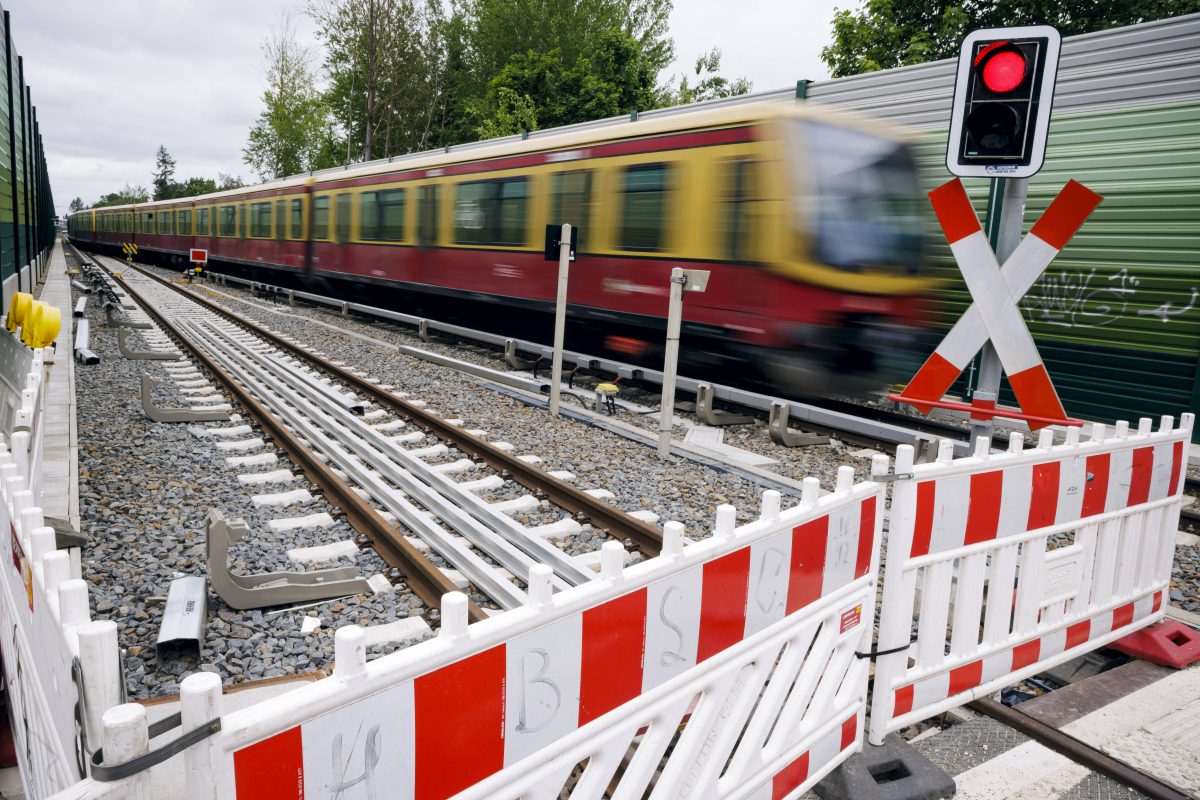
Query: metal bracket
{"x":141,"y":355}
{"x":137,"y":326}
{"x":777,"y":427}
{"x":183,"y":617}
{"x":893,"y":476}
{"x":270,"y":588}
{"x":174,"y":414}
{"x":511,"y":357}
{"x":709,"y":415}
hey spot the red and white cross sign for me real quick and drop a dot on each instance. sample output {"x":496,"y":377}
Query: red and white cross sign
{"x":995,"y":291}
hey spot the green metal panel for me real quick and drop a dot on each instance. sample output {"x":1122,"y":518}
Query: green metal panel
{"x":1117,"y":315}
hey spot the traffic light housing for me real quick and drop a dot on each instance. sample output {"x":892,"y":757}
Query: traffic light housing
{"x":1003,"y":91}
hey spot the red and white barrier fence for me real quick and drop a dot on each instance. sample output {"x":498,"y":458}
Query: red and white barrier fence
{"x":1001,"y":565}
{"x":733,"y":667}
{"x":736,"y":653}
{"x":45,"y":618}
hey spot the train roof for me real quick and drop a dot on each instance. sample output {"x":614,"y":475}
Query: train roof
{"x":711,"y":114}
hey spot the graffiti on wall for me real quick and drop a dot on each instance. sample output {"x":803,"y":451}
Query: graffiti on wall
{"x":1081,"y":299}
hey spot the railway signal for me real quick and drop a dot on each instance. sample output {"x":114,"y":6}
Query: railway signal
{"x":1003,"y":92}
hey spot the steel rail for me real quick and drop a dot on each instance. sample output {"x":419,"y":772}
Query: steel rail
{"x":1078,"y":751}
{"x":873,"y":430}
{"x":292,"y":409}
{"x":421,"y":574}
{"x":604,"y":516}
{"x":458,"y":507}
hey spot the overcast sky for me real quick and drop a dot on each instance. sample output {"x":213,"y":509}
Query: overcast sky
{"x":114,"y":79}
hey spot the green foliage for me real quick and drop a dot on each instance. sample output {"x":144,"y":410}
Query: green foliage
{"x":128,"y":194}
{"x":882,"y":34}
{"x":76,"y":205}
{"x":533,"y":89}
{"x":710,"y":84}
{"x":164,"y":171}
{"x":291,"y":134}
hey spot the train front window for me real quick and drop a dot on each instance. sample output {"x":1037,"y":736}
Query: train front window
{"x":865,"y":208}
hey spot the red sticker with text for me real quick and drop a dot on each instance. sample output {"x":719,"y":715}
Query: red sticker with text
{"x":851,"y":618}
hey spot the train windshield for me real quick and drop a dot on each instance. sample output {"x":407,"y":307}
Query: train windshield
{"x":865,"y":211}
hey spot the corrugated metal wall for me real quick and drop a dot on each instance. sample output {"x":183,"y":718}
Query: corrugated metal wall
{"x":1117,"y":315}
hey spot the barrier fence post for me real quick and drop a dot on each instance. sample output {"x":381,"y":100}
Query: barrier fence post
{"x":199,"y":702}
{"x":98,"y":659}
{"x":894,"y":626}
{"x":126,"y":736}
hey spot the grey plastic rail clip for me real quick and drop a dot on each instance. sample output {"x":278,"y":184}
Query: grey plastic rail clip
{"x":175,"y":414}
{"x":777,"y":427}
{"x":707,"y":413}
{"x":270,"y":588}
{"x":143,"y":355}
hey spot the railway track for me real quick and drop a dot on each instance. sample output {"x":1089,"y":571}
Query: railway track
{"x":378,"y":477}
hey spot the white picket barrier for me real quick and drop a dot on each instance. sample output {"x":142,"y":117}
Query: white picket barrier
{"x":45,"y":619}
{"x":1001,"y":565}
{"x":724,"y":668}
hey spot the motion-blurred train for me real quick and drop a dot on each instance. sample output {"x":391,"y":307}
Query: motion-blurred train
{"x":808,"y":220}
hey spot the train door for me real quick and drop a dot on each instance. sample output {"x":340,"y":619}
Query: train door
{"x":427,"y":231}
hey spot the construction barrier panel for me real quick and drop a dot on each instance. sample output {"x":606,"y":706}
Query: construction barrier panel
{"x":52,"y":652}
{"x":1001,"y":565}
{"x":723,"y":668}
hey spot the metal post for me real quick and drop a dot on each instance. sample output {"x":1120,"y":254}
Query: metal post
{"x":1006,"y":215}
{"x":674,"y":320}
{"x":560,"y":315}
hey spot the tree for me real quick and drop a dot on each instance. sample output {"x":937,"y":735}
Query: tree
{"x":385,"y":61}
{"x":164,"y":171}
{"x":289,"y":135}
{"x":225,"y":182}
{"x":710,"y":84}
{"x":127,"y":195}
{"x":533,"y":90}
{"x":196,"y":186}
{"x":76,"y":205}
{"x":883,"y":34}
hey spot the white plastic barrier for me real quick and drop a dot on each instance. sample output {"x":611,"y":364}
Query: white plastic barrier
{"x":737,"y":653}
{"x":45,"y":618}
{"x":1001,"y":565}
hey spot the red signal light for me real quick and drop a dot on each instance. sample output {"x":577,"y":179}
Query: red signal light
{"x":1003,"y":65}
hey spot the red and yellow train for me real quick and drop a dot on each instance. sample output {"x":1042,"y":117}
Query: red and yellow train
{"x":807,"y":219}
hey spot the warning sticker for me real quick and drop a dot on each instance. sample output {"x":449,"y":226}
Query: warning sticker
{"x":21,"y":563}
{"x":851,"y":618}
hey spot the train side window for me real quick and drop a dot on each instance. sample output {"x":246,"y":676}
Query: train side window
{"x":202,"y":228}
{"x":297,"y":221}
{"x":739,"y":179}
{"x":243,"y":220}
{"x":227,"y":216}
{"x":183,"y":222}
{"x":427,"y":215}
{"x":572,"y":201}
{"x":643,"y":208}
{"x":281,"y":219}
{"x":343,"y":216}
{"x":321,"y":218}
{"x":260,"y":221}
{"x":381,"y":216}
{"x":491,"y":212}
